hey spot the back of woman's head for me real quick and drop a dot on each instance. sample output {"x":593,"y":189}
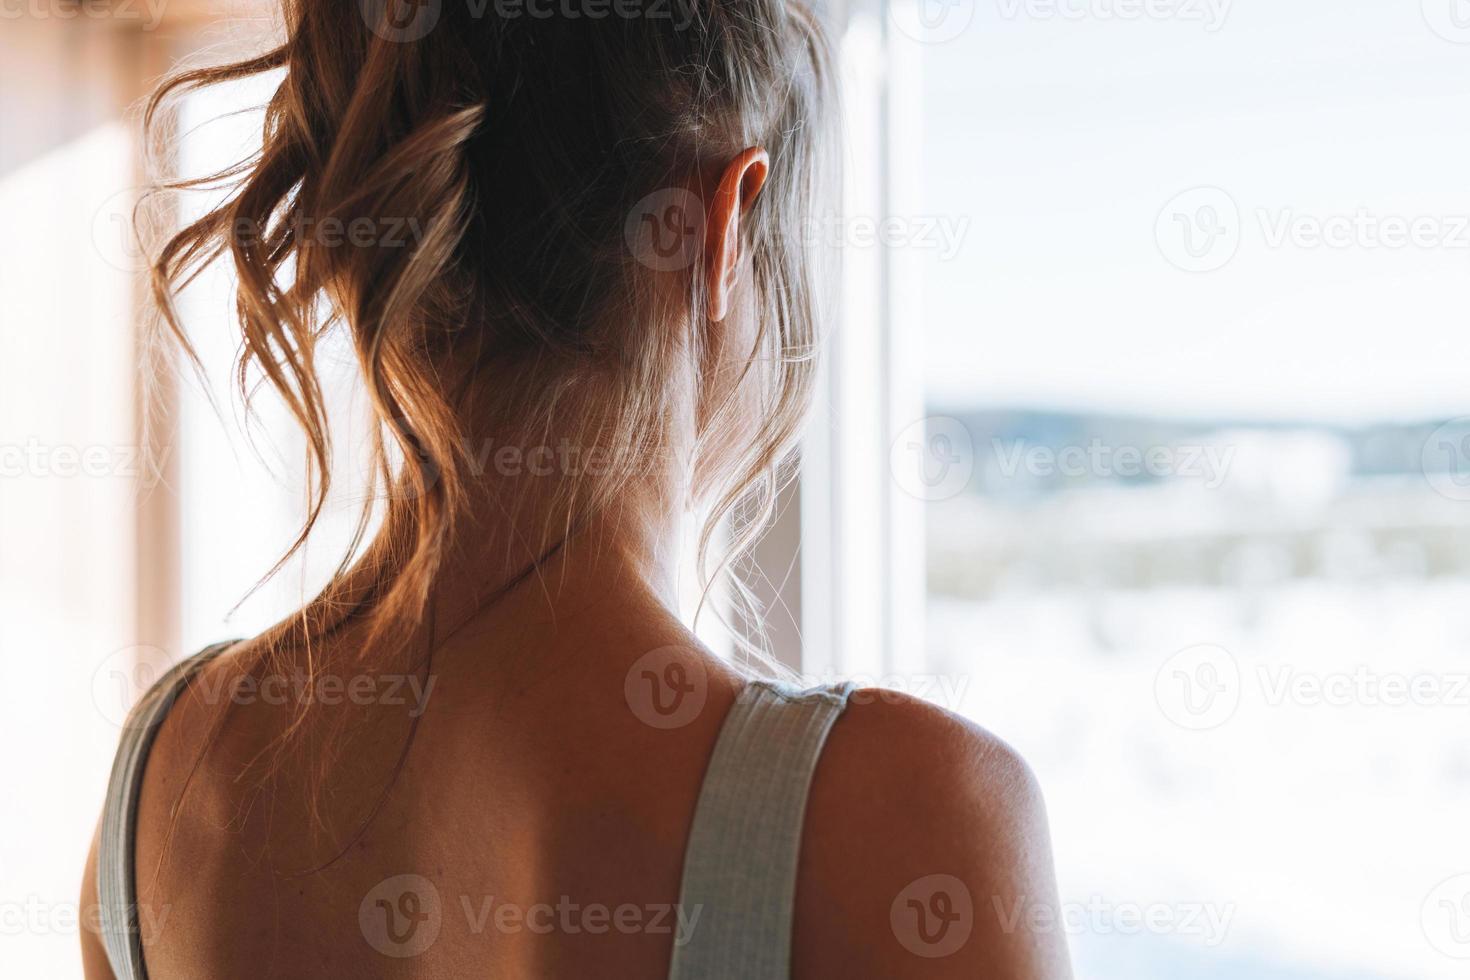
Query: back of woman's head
{"x":500,"y":202}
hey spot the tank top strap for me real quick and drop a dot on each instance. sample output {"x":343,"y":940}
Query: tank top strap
{"x":116,"y":887}
{"x":737,"y":897}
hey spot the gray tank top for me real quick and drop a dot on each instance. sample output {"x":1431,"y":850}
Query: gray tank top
{"x":739,"y":863}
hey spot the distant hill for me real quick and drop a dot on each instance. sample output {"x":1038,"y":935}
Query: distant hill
{"x":1001,"y":438}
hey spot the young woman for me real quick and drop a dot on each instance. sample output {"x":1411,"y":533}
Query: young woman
{"x":566,"y":245}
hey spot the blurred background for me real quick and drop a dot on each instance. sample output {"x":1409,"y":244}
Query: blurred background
{"x":1144,"y":441}
{"x":1198,"y":488}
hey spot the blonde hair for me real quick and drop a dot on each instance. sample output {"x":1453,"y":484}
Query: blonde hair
{"x":515,"y":146}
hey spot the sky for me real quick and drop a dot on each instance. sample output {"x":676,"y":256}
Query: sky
{"x":1071,"y":151}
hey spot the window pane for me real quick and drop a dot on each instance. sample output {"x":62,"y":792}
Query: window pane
{"x":1197,"y":530}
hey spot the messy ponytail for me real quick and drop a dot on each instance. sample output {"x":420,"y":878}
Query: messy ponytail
{"x":452,"y":186}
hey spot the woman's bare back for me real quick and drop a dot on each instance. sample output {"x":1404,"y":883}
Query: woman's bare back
{"x":538,"y":822}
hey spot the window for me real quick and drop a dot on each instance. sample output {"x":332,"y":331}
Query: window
{"x":1182,"y":286}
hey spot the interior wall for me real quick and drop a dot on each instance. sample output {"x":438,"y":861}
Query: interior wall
{"x":84,"y":515}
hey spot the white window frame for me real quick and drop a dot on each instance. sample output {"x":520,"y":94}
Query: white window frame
{"x":848,"y":542}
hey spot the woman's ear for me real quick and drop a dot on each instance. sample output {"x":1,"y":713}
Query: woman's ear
{"x":740,"y":182}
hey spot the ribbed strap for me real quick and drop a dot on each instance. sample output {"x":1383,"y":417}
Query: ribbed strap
{"x":116,"y":888}
{"x":739,"y":885}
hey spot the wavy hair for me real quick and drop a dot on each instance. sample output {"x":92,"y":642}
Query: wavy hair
{"x":515,"y":149}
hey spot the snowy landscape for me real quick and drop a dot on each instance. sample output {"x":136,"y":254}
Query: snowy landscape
{"x":1295,"y":815}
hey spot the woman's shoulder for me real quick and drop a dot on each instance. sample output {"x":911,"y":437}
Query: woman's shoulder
{"x":932,"y":751}
{"x":926,"y":835}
